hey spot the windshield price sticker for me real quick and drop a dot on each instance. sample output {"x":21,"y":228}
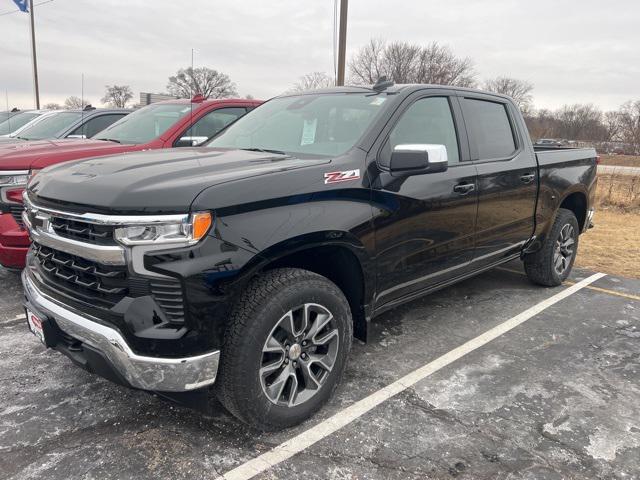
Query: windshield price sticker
{"x":309,"y":132}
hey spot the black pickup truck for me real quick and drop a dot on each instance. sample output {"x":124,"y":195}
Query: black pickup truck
{"x":244,"y":269}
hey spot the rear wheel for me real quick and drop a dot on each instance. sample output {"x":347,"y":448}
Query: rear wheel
{"x":552,"y":264}
{"x":285,"y":348}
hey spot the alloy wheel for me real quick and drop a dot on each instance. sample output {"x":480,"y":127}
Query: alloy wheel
{"x":299,"y":354}
{"x":565,"y":249}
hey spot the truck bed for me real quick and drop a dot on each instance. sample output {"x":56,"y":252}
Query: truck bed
{"x":548,"y":156}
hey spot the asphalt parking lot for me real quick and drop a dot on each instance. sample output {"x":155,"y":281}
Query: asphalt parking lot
{"x":556,"y":397}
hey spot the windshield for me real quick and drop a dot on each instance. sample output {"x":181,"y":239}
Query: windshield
{"x":17,"y":121}
{"x":145,"y":124}
{"x":50,"y":126}
{"x":322,"y":124}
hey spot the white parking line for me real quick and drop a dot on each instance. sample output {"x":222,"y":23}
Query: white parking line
{"x":334,"y":423}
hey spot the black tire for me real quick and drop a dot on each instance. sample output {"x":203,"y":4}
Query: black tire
{"x":240,"y":387}
{"x":541,"y":265}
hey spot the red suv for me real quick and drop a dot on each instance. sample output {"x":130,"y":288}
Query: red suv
{"x":175,"y":123}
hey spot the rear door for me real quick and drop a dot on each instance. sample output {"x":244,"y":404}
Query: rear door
{"x":507,"y":177}
{"x":424,"y":224}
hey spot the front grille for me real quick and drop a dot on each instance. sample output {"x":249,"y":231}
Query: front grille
{"x":16,"y":213}
{"x":105,"y":285}
{"x":91,"y":282}
{"x":83,"y":231}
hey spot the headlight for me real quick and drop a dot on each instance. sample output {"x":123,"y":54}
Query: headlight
{"x":11,"y":186}
{"x":189,"y":232}
{"x":13,"y":180}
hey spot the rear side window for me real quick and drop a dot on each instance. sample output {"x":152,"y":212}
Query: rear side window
{"x":489,"y":129}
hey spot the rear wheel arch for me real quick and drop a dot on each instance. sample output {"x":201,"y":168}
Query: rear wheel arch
{"x":576,"y":202}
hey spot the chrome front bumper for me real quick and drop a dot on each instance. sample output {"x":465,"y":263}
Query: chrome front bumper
{"x":146,"y":373}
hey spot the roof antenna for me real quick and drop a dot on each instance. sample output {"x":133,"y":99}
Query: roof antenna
{"x":382,"y":84}
{"x":190,"y":131}
{"x":6,"y":93}
{"x":82,"y":108}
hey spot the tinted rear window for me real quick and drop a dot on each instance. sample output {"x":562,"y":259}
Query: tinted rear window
{"x":489,"y":128}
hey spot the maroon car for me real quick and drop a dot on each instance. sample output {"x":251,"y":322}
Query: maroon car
{"x":174,"y":123}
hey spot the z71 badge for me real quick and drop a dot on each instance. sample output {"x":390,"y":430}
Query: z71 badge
{"x":346,"y":176}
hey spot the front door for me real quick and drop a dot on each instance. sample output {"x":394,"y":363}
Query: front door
{"x":424,"y":224}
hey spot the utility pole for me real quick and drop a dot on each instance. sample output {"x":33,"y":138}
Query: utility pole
{"x":33,"y":54}
{"x":342,"y":40}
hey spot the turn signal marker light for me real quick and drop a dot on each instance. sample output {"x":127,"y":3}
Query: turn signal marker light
{"x":201,"y":224}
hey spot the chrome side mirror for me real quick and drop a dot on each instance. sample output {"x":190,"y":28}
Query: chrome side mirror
{"x":418,"y":159}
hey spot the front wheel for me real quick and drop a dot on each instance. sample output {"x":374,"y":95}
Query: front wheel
{"x":285,"y":348}
{"x":552,"y":264}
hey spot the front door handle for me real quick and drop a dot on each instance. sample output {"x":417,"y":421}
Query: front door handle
{"x":464,"y":188}
{"x":528,"y":178}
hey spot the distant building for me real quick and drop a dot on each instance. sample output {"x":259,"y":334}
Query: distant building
{"x":148,"y":98}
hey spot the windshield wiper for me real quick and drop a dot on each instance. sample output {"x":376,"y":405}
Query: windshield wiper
{"x":265,"y":150}
{"x":109,"y":140}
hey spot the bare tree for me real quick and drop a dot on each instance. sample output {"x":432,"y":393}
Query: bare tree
{"x":117,"y":96}
{"x":210,"y":83}
{"x":52,"y":106}
{"x":312,"y":81}
{"x":519,"y":90}
{"x":612,"y":122}
{"x":367,"y":66}
{"x":440,"y":66}
{"x":408,"y":63}
{"x":630,"y":124}
{"x":75,"y":102}
{"x":580,"y":122}
{"x":541,"y":124}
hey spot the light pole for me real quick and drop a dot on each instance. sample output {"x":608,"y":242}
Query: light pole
{"x":33,"y":54}
{"x":342,"y":41}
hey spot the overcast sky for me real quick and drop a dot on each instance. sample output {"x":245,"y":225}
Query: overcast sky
{"x":584,"y":51}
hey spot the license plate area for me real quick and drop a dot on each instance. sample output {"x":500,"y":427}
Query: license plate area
{"x":40,"y":326}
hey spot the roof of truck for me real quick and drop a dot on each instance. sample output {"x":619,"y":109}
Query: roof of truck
{"x":393,"y":89}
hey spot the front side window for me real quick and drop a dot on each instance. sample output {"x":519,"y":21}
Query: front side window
{"x":489,"y":128}
{"x":211,"y":123}
{"x":322,"y":124}
{"x":50,"y":126}
{"x":145,"y":124}
{"x":427,"y":121}
{"x":17,"y":121}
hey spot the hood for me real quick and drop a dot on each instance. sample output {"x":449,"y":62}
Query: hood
{"x":165,"y":181}
{"x":36,"y":154}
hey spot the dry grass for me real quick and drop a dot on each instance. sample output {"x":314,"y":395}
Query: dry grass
{"x":620,"y":160}
{"x":619,"y":191}
{"x":613,"y":246}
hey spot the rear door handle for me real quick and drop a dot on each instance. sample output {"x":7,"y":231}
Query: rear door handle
{"x":464,"y":188}
{"x":528,"y":178}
